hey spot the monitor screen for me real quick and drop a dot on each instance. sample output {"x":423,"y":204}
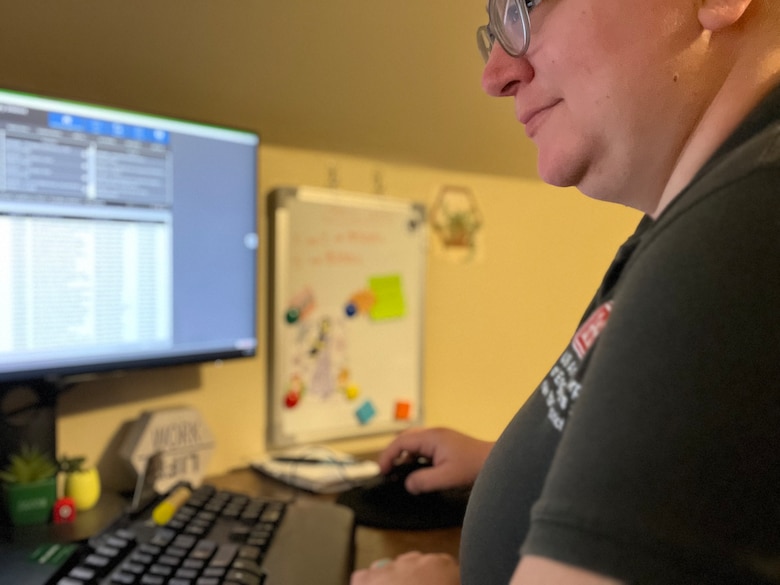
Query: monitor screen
{"x":126,"y":240}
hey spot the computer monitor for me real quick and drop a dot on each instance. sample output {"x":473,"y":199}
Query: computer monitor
{"x":127,"y":240}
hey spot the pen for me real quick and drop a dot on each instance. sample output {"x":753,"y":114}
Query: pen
{"x":168,"y":507}
{"x":306,"y":461}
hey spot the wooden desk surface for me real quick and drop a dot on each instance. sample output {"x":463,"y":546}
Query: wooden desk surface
{"x":370,"y":543}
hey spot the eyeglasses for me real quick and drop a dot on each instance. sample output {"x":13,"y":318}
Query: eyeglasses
{"x":509,"y":24}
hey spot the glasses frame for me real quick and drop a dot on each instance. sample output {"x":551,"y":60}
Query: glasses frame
{"x":491,"y":32}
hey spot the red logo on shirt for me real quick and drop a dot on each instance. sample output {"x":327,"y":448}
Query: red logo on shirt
{"x":587,"y":334}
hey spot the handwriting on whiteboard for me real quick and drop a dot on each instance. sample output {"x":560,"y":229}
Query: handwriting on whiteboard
{"x":346,"y":248}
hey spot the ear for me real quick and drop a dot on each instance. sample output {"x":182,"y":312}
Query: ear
{"x":715,"y":15}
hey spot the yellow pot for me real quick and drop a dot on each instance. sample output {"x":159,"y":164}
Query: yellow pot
{"x":83,"y":487}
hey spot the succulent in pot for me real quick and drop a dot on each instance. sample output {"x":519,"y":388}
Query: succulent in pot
{"x":30,"y":486}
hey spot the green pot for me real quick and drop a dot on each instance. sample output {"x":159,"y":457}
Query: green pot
{"x":31,"y":503}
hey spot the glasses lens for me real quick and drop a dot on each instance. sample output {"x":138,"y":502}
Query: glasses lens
{"x":484,"y":42}
{"x":509,"y":20}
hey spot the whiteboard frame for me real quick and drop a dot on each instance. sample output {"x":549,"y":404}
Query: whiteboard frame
{"x":279,"y":201}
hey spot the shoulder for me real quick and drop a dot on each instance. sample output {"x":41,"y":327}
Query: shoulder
{"x":720,"y":236}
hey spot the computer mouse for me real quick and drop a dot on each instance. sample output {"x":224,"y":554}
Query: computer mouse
{"x":401,"y":471}
{"x":384,"y":502}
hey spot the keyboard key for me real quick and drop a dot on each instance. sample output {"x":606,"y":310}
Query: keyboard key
{"x":239,"y":500}
{"x":131,"y":567}
{"x":260,"y":542}
{"x":250,"y":516}
{"x":69,"y":581}
{"x":196,"y":564}
{"x":141,"y":558}
{"x":163,"y":570}
{"x":224,"y":555}
{"x":125,"y":534}
{"x":240,"y":533}
{"x":262,"y":533}
{"x":176,"y":551}
{"x":169,"y":561}
{"x":118,"y":542}
{"x":214,"y":572}
{"x":183,"y":573}
{"x":98,"y":563}
{"x":206,"y":516}
{"x":109,"y":552}
{"x":272,"y":513}
{"x":252,"y":553}
{"x":186,"y":512}
{"x":150,"y":549}
{"x":215,"y":507}
{"x":195,"y":530}
{"x":121,"y":578}
{"x":248,"y":566}
{"x":232,"y":512}
{"x":203,"y":550}
{"x":242,"y":578}
{"x":184,"y":541}
{"x":176,"y":524}
{"x":163,"y":537}
{"x":82,"y":573}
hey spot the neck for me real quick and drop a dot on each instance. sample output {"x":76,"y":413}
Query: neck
{"x":750,"y":78}
{"x":706,"y":139}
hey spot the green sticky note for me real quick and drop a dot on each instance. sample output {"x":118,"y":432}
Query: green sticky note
{"x":389,"y":297}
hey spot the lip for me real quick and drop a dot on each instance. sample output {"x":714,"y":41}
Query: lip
{"x":532,"y":118}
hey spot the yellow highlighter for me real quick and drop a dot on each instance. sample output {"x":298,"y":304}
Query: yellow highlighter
{"x":168,"y":507}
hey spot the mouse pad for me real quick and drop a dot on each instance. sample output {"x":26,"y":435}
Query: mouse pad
{"x":389,"y":505}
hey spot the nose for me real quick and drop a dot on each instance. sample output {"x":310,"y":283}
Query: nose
{"x":503,"y":74}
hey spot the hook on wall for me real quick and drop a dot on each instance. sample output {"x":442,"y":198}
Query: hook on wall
{"x":379,"y":182}
{"x":333,"y":177}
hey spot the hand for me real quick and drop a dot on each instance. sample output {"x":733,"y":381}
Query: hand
{"x":411,"y":568}
{"x":456,"y":458}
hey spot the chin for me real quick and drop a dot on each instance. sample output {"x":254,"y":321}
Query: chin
{"x":562,"y":169}
{"x":599,"y":191}
{"x":558,"y":171}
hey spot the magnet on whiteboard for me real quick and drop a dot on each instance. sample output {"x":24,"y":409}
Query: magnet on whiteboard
{"x":300,"y":306}
{"x":360,"y":302}
{"x":351,"y":392}
{"x":295,"y":391}
{"x":402,"y":410}
{"x":366,"y":412}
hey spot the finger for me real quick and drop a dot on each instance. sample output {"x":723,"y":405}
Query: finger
{"x":426,"y":480}
{"x":411,"y":441}
{"x":359,"y":577}
{"x":411,"y":555}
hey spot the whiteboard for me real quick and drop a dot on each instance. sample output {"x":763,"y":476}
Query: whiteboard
{"x":347,"y":275}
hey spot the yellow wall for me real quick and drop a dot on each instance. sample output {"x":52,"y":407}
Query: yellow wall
{"x":493,"y":325}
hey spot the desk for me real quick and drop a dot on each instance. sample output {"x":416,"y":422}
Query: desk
{"x":370,"y":543}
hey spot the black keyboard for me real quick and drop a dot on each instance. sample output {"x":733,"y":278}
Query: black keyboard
{"x":221,"y":538}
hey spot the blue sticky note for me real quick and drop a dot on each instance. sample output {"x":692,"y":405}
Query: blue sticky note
{"x":366,"y":412}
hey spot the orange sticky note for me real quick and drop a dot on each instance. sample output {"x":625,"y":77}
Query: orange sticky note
{"x":402,"y":410}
